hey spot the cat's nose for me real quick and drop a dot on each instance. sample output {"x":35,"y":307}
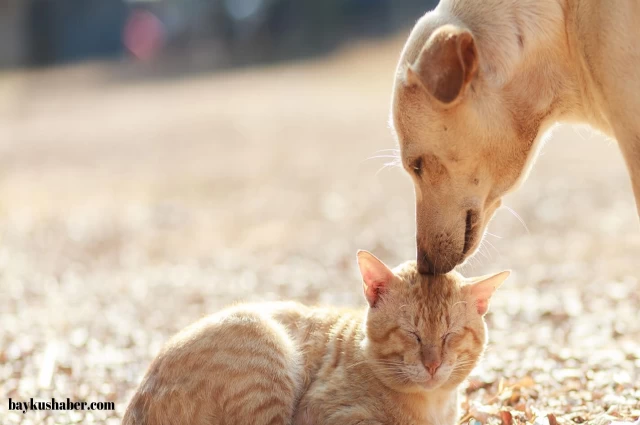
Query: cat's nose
{"x":433,"y":366}
{"x":431,"y":358}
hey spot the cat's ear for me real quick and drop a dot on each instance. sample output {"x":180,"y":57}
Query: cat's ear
{"x":480,"y":289}
{"x":376,"y":276}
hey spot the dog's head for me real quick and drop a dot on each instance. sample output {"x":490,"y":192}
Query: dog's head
{"x":462,"y":138}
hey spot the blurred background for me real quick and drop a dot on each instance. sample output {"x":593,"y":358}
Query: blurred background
{"x":160,"y":160}
{"x":202,"y":33}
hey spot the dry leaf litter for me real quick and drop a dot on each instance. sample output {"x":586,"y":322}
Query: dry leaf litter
{"x":130,"y":208}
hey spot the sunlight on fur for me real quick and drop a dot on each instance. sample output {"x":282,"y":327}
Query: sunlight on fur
{"x":402,"y":357}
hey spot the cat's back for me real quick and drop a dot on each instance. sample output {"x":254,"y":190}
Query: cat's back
{"x":236,"y":364}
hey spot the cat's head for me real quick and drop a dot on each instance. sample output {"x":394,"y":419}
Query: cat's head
{"x":423,"y":332}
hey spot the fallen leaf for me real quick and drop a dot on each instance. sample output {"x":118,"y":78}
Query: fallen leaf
{"x":526,"y":382}
{"x":507,"y":418}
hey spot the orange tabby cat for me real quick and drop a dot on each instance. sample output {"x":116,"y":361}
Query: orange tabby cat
{"x":397,"y":362}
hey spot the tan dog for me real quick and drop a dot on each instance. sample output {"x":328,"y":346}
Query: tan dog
{"x":478,"y":85}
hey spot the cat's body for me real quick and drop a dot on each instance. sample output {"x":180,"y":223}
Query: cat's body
{"x":399,"y":362}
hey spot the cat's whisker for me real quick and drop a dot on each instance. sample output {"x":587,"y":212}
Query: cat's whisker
{"x":461,"y":367}
{"x":356,"y":364}
{"x":464,"y":361}
{"x":464,"y":365}
{"x":462,"y":370}
{"x":387,"y":361}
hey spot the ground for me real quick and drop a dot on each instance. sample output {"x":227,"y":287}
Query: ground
{"x":130,"y":208}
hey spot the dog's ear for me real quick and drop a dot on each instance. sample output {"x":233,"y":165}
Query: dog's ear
{"x":447,"y":64}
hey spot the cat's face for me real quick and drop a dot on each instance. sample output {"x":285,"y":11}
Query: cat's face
{"x":424,"y":332}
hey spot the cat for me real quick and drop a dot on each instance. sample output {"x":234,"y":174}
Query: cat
{"x":399,"y":361}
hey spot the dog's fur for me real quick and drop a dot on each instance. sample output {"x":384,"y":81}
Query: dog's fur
{"x":478,"y":85}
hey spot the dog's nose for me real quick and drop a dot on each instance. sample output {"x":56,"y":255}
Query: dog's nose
{"x":424,"y":264}
{"x":435,"y":264}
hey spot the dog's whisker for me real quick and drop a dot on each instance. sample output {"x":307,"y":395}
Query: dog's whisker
{"x":382,"y":156}
{"x":494,"y":247}
{"x":387,"y":166}
{"x":483,"y":251}
{"x":517,"y":216}
{"x":388,"y":150}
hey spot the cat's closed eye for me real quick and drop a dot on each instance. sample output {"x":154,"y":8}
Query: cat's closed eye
{"x":452,"y":339}
{"x":416,"y":336}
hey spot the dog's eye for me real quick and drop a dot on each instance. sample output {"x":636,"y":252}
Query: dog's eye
{"x":417,"y":167}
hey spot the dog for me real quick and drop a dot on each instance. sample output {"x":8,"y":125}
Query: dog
{"x":478,"y":85}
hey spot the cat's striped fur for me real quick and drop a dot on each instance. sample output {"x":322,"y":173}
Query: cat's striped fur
{"x":399,"y":362}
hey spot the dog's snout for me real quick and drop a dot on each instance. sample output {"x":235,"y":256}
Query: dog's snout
{"x":432,"y":264}
{"x":471,"y":222}
{"x":424,"y":264}
{"x":429,"y":265}
{"x":440,"y":252}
